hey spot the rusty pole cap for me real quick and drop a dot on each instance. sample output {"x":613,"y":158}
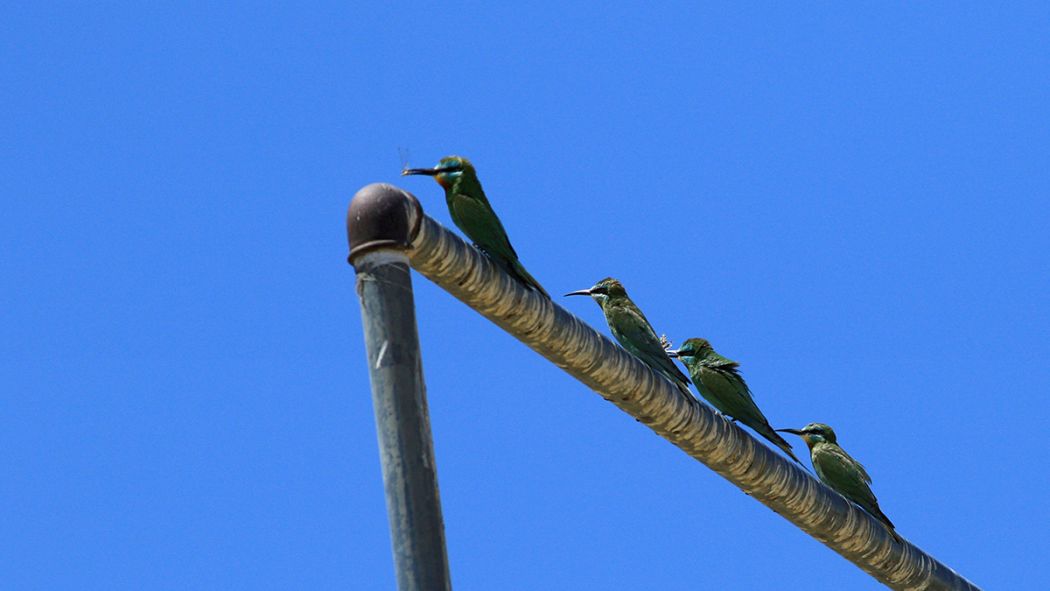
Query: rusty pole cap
{"x":381,"y":216}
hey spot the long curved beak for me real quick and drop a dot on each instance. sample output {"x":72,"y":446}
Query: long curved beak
{"x":672,"y":353}
{"x":426,"y":171}
{"x":792,"y":431}
{"x":585,"y":292}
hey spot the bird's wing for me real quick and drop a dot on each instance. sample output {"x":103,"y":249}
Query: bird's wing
{"x":479,"y":222}
{"x":634,"y":332}
{"x":726,"y":389}
{"x":712,"y":359}
{"x":840,"y":471}
{"x":726,"y":373}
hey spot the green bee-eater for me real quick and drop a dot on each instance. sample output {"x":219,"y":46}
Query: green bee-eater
{"x":719,"y":381}
{"x":471,"y":212}
{"x":838,"y":470}
{"x":633,"y":331}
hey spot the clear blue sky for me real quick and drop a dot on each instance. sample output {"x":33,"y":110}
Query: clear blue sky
{"x":852,"y":202}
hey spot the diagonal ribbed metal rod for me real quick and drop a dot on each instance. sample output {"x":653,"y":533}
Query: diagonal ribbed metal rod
{"x":620,"y":378}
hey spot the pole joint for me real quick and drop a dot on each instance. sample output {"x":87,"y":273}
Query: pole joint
{"x":381,"y":216}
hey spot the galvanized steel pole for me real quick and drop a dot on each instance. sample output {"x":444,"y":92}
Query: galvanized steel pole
{"x":406,"y":450}
{"x":629,"y":384}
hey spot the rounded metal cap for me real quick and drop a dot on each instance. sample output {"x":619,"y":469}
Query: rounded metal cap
{"x":381,"y":216}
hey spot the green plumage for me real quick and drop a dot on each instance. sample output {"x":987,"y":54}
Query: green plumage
{"x":633,"y":331}
{"x":719,"y":381}
{"x":472,"y":213}
{"x":841,"y":472}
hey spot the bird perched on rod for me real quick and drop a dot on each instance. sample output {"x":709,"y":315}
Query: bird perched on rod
{"x":841,"y":472}
{"x":633,"y":331}
{"x":719,"y":381}
{"x":472,"y":213}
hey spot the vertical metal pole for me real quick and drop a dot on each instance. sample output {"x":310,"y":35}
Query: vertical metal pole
{"x":402,"y":420}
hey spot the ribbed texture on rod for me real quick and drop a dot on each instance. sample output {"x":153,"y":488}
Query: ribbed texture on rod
{"x":596,"y":361}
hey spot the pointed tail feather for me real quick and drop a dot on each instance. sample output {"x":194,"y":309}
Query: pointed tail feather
{"x":768,"y":432}
{"x":878,"y":514}
{"x":896,"y":536}
{"x":524,"y":276}
{"x":677,"y":377}
{"x":514,"y":268}
{"x":684,"y":388}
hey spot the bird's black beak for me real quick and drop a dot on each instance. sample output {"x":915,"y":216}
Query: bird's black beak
{"x":426,"y":171}
{"x":672,"y":353}
{"x":792,"y":431}
{"x":585,"y":292}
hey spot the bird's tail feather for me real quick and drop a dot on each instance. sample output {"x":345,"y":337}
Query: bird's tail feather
{"x":886,"y":522}
{"x":684,"y":388}
{"x":882,"y":517}
{"x":515,"y":269}
{"x":775,"y":438}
